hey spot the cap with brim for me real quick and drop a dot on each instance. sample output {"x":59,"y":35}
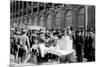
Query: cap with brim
{"x":68,"y":27}
{"x":12,"y":28}
{"x":25,"y":30}
{"x":36,"y":41}
{"x":18,"y":32}
{"x":40,"y":33}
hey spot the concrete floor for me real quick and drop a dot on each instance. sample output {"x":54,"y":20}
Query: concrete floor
{"x":14,"y":64}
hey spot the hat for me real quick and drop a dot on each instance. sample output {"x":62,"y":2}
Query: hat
{"x":56,"y":33}
{"x":36,"y":41}
{"x":18,"y":32}
{"x":12,"y":28}
{"x":25,"y":30}
{"x":68,"y":27}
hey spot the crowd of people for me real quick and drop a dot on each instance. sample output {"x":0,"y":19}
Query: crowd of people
{"x":24,"y":43}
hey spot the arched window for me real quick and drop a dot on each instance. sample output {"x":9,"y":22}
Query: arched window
{"x":18,"y":22}
{"x":58,"y":20}
{"x":69,"y":18}
{"x":41,"y":21}
{"x":14,"y":23}
{"x":35,"y":21}
{"x":30,"y":21}
{"x":25,"y":21}
{"x":21,"y":23}
{"x":81,"y":17}
{"x":49,"y":21}
{"x":11,"y":23}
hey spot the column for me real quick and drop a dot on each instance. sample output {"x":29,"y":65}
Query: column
{"x":38,"y":13}
{"x":63,"y":22}
{"x":22,"y":8}
{"x":26,"y":7}
{"x":53,"y":5}
{"x":75,"y":19}
{"x":32,"y":13}
{"x":15,"y":10}
{"x":11,"y":5}
{"x":11,"y":14}
{"x":38,"y":7}
{"x":45,"y":24}
{"x":18,"y":7}
{"x":53,"y":17}
{"x":86,"y":16}
{"x":27,"y":13}
{"x":32,"y":8}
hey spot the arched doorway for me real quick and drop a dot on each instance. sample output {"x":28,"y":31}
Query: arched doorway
{"x":81,"y":18}
{"x":58,"y":20}
{"x":14,"y":23}
{"x":18,"y":21}
{"x":49,"y":21}
{"x":69,"y":18}
{"x":30,"y":21}
{"x":25,"y":21}
{"x":41,"y":21}
{"x":35,"y":21}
